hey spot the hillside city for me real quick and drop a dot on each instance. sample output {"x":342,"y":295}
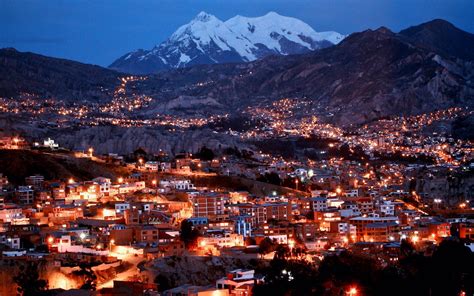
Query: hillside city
{"x":235,"y":205}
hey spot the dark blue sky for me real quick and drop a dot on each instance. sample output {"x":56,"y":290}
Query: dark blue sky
{"x":98,"y":32}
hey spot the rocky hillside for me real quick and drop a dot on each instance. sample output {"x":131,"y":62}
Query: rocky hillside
{"x":370,"y":74}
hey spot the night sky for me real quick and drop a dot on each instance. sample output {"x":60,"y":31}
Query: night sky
{"x":98,"y":32}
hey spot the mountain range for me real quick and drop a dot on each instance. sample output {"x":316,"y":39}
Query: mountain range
{"x":208,"y":40}
{"x":368,"y":75}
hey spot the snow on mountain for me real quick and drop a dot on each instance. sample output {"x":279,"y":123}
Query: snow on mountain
{"x":208,"y":40}
{"x":271,"y":28}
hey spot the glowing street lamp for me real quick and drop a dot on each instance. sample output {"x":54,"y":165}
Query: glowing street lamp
{"x":90,"y":150}
{"x":291,"y":244}
{"x":352,"y":291}
{"x":120,"y":180}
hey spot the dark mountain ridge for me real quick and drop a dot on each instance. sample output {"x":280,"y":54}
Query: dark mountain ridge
{"x":370,"y":74}
{"x":25,"y":72}
{"x":443,"y":37}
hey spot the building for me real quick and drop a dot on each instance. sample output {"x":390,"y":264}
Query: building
{"x":153,"y":166}
{"x":380,"y":232}
{"x":25,"y":195}
{"x":209,"y":205}
{"x":319,"y":204}
{"x":49,"y":143}
{"x":361,"y":222}
{"x":239,"y":282}
{"x":387,"y":208}
{"x":104,"y":184}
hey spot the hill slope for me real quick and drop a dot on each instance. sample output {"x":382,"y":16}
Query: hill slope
{"x":24,"y":72}
{"x":368,"y":75}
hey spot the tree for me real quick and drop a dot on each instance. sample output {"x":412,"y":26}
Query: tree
{"x":282,"y":252}
{"x":271,"y":178}
{"x":163,"y":283}
{"x":28,"y":280}
{"x":189,"y":234}
{"x":205,"y":154}
{"x":288,"y":277}
{"x":406,"y":248}
{"x":89,"y":276}
{"x":452,"y":269}
{"x":266,"y":246}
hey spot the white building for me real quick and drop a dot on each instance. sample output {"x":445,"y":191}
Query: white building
{"x":153,"y":166}
{"x":104,"y":184}
{"x":49,"y":143}
{"x":387,"y":208}
{"x":13,"y":242}
{"x":121,"y":207}
{"x":236,"y":279}
{"x":177,"y":184}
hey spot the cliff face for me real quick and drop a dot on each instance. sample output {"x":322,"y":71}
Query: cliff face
{"x":126,"y":140}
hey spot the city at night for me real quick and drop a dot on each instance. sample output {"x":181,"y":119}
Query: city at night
{"x":237,"y":148}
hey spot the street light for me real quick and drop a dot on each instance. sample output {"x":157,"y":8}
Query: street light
{"x":352,"y":291}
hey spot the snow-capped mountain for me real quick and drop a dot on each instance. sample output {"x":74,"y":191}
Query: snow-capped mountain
{"x":208,"y":40}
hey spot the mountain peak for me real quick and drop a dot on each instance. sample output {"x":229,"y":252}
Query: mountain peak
{"x":273,"y":14}
{"x":203,"y":17}
{"x":384,"y":30}
{"x":208,"y":40}
{"x":442,"y":37}
{"x":438,"y":22}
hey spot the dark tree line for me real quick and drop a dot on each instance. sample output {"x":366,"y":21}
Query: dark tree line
{"x":448,"y":272}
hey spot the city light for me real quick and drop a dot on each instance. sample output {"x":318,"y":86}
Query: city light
{"x":352,"y":291}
